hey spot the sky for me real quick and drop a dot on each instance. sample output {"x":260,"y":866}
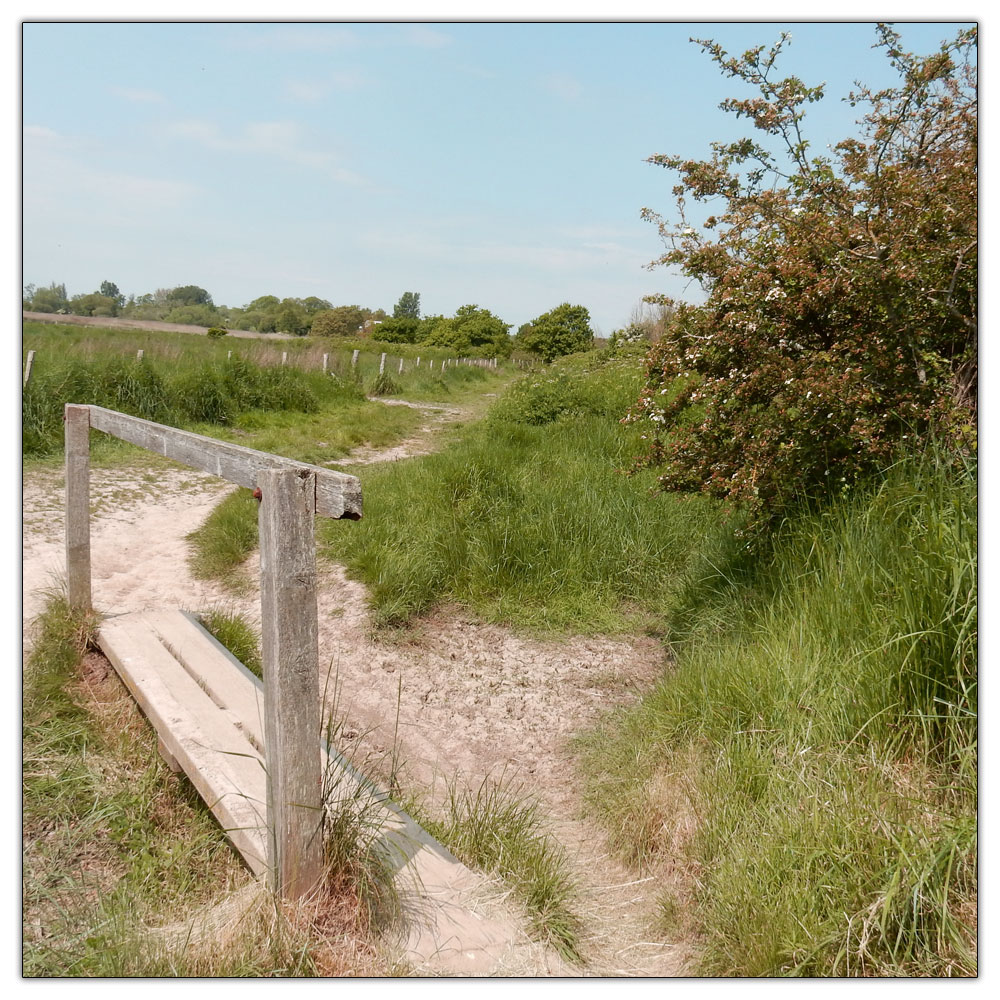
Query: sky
{"x":495,"y":163}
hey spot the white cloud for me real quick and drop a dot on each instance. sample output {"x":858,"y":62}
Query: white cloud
{"x":282,"y":140}
{"x":564,"y":86}
{"x":317,"y":89}
{"x":551,"y":258}
{"x":60,"y":180}
{"x":40,"y":134}
{"x":424,"y":37}
{"x":139,"y":96}
{"x":296,"y":38}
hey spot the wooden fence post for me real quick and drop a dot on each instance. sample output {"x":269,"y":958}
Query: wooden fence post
{"x":354,"y":359}
{"x":27,"y":368}
{"x":77,"y":448}
{"x":381,"y":365}
{"x":284,"y":357}
{"x":418,"y":362}
{"x":400,"y":372}
{"x":138,"y":355}
{"x":290,"y":643}
{"x":326,"y":358}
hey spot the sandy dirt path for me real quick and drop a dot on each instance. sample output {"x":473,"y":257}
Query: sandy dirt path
{"x":463,"y":700}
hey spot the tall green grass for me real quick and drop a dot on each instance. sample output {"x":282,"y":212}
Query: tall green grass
{"x":534,"y":526}
{"x":206,"y":392}
{"x":822,"y":722}
{"x":526,"y":520}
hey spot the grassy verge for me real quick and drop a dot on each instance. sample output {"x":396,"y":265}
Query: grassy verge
{"x":125,"y":871}
{"x":812,"y":759}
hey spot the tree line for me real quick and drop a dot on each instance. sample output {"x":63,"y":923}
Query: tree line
{"x":472,"y":331}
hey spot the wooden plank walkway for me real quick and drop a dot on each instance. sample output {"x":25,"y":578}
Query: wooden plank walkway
{"x":208,"y":712}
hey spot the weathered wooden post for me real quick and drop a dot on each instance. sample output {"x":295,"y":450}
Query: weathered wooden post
{"x":354,"y":359}
{"x":381,"y":364}
{"x":27,"y":368}
{"x":229,"y":355}
{"x":418,"y":361}
{"x":290,"y":639}
{"x":400,"y":372}
{"x":138,"y":355}
{"x":326,"y":359}
{"x":77,"y":448}
{"x":284,"y":357}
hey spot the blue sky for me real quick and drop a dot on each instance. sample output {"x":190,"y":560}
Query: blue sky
{"x":500,"y":164}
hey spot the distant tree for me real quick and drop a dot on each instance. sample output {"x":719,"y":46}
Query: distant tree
{"x":110,"y":290}
{"x":193,"y":315}
{"x":260,"y":314}
{"x":144,"y":306}
{"x":93,"y":304}
{"x":399,"y":330}
{"x":189,"y":295}
{"x":49,"y":300}
{"x":340,"y":321}
{"x":263,"y":303}
{"x":292,"y":318}
{"x":563,"y":330}
{"x":428,"y":324}
{"x":472,"y":331}
{"x":314,"y":305}
{"x":407,"y":306}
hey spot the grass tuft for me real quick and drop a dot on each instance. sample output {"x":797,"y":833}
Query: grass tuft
{"x":497,"y":829}
{"x":238,"y":636}
{"x":221,"y":545}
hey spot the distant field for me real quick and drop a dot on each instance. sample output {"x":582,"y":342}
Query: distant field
{"x":109,"y":323}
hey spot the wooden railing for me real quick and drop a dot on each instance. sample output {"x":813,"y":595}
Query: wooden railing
{"x":291,"y":494}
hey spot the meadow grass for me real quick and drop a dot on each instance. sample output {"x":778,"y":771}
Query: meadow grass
{"x":812,"y":757}
{"x":527,"y":517}
{"x":187,"y":380}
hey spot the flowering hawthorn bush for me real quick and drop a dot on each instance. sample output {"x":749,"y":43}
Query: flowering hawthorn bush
{"x":841,"y":312}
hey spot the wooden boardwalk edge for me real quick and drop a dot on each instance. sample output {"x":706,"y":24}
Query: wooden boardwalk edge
{"x":207,"y":710}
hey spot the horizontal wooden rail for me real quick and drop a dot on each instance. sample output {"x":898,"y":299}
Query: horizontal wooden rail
{"x":338,"y":495}
{"x":291,"y":494}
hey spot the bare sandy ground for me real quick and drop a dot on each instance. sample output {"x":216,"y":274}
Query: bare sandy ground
{"x":458,"y":699}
